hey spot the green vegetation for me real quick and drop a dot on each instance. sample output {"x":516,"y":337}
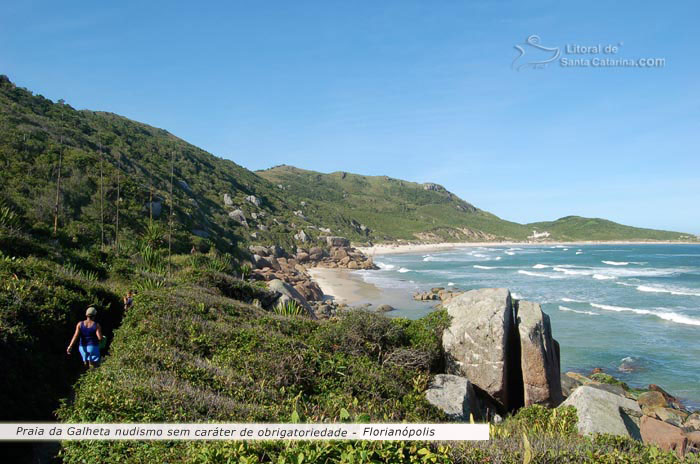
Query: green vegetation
{"x":201,"y":342}
{"x":396,"y":209}
{"x":580,"y":228}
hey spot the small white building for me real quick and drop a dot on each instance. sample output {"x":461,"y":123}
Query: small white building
{"x":538,"y":235}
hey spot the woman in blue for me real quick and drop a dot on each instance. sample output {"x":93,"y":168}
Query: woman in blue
{"x":90,"y":334}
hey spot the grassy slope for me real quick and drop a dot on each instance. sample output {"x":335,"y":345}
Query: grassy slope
{"x":33,"y":130}
{"x":581,"y":228}
{"x":392,"y":208}
{"x":400,"y":209}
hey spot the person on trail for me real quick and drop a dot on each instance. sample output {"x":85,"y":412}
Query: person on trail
{"x":128,"y":300}
{"x":90,"y":334}
{"x":193,"y":251}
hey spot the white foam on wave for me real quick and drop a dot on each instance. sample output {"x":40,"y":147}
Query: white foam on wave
{"x":590,"y":313}
{"x":403,"y":269}
{"x":579,"y":252}
{"x":516,"y":296}
{"x":566,"y":249}
{"x":497,"y":258}
{"x":477,"y":266}
{"x":450,"y":284}
{"x":539,"y":274}
{"x":671,"y":290}
{"x":603,"y":277}
{"x":616,"y":263}
{"x":663,"y":314}
{"x":540,"y":266}
{"x":571,"y":300}
{"x":510,"y":253}
{"x":383,"y":266}
{"x":618,"y":271}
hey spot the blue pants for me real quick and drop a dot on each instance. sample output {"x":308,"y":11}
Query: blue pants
{"x":90,"y":353}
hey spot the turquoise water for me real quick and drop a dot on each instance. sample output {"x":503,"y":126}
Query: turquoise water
{"x":633,"y":310}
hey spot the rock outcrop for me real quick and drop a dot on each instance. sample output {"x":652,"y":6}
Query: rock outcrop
{"x":238,"y":216}
{"x":288,"y":293}
{"x":505,"y":349}
{"x":481,"y":344}
{"x":666,"y":436}
{"x":539,"y":356}
{"x":454,"y":395}
{"x":600,"y":411}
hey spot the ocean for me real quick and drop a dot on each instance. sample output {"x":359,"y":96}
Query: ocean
{"x":633,"y":310}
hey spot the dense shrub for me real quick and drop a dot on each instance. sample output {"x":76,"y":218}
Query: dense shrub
{"x":40,"y":304}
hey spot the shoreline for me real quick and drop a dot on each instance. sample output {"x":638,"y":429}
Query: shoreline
{"x":408,"y":248}
{"x":344,"y":285}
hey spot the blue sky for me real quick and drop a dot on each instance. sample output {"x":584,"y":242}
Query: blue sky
{"x":422,"y":91}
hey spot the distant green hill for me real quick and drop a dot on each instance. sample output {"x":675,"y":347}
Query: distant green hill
{"x":396,"y":209}
{"x":581,"y":228}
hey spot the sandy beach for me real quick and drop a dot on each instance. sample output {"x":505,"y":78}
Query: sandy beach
{"x":395,"y":248}
{"x":345,"y":286}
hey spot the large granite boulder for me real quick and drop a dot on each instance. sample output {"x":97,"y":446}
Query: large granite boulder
{"x":301,"y":236}
{"x":454,"y":395}
{"x":666,"y":436}
{"x":239,"y":217}
{"x":337,"y":242}
{"x":481,"y":344}
{"x":254,"y":200}
{"x":539,"y":358}
{"x":600,"y":411}
{"x":228,"y":201}
{"x":288,"y":293}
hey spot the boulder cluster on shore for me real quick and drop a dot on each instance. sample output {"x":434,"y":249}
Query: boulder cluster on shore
{"x":287,"y":273}
{"x":500,"y":356}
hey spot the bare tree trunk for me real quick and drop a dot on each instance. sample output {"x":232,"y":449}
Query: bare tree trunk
{"x":170,"y":221}
{"x":116,"y":236}
{"x":150,"y":199}
{"x":58,"y":189}
{"x":102,"y":206}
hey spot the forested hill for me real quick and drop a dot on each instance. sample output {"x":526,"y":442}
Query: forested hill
{"x":112,"y":179}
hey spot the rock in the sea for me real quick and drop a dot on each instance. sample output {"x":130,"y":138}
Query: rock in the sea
{"x":254,"y":200}
{"x":600,"y":411}
{"x":228,"y":201}
{"x":337,"y":242}
{"x":666,"y":436}
{"x":539,"y":360}
{"x":481,"y":342}
{"x":238,"y":216}
{"x":385,"y":308}
{"x":454,"y":395}
{"x":288,"y":293}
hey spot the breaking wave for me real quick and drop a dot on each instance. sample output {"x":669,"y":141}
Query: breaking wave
{"x":665,"y":315}
{"x":590,"y":313}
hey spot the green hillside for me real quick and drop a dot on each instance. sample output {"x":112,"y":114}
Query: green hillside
{"x":396,"y":209}
{"x":104,"y":157}
{"x":581,"y":228}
